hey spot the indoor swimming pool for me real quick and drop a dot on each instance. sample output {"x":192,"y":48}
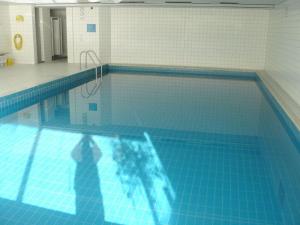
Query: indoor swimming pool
{"x":151,"y":149}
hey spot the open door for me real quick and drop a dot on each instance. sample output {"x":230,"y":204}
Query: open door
{"x":51,"y":32}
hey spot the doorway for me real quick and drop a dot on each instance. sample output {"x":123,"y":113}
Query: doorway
{"x":51,"y":34}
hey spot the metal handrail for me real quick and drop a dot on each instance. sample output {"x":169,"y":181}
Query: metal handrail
{"x":92,"y":55}
{"x":88,"y":53}
{"x":81,"y":54}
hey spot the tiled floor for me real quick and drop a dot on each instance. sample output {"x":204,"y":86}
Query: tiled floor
{"x":20,"y":77}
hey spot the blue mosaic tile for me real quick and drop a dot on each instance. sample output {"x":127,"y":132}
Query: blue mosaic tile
{"x":149,"y":173}
{"x":171,"y":71}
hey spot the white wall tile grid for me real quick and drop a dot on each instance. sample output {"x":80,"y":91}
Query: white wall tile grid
{"x":253,"y":39}
{"x":283,"y":47}
{"x":78,"y":37}
{"x":27,"y":55}
{"x":202,"y":37}
{"x":5,"y":44}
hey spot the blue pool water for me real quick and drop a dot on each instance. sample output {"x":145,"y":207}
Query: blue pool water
{"x":150,"y":150}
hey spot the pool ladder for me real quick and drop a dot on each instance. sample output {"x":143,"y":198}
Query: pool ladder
{"x":90,"y":54}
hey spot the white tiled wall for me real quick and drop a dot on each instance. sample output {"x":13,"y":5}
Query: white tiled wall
{"x":105,"y":34}
{"x":78,"y":37}
{"x":27,"y":55}
{"x":4,"y":29}
{"x":283,"y":49}
{"x":202,"y":37}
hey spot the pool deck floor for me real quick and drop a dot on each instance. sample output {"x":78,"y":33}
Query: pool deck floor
{"x":21,"y":77}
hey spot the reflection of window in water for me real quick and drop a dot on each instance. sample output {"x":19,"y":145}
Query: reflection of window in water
{"x":89,"y":204}
{"x":139,"y":167}
{"x":15,"y":150}
{"x":52,"y":172}
{"x":122,"y":177}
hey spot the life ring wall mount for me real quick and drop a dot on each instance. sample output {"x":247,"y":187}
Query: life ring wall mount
{"x":18,"y":41}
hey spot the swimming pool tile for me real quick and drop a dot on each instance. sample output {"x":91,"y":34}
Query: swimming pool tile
{"x":207,"y":177}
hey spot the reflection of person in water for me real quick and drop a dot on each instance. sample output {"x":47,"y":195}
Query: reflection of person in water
{"x":89,"y":204}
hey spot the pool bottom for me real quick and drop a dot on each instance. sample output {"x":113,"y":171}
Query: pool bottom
{"x":205,"y":179}
{"x":72,"y":160}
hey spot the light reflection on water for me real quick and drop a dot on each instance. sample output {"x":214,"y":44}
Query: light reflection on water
{"x":150,"y":150}
{"x":128,"y":170}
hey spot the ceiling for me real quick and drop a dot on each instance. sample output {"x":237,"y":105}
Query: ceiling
{"x":199,"y":2}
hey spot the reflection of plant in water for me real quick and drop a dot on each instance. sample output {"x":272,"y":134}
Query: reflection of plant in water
{"x":136,"y":165}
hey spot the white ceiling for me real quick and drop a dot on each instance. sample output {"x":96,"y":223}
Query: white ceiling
{"x":222,"y":2}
